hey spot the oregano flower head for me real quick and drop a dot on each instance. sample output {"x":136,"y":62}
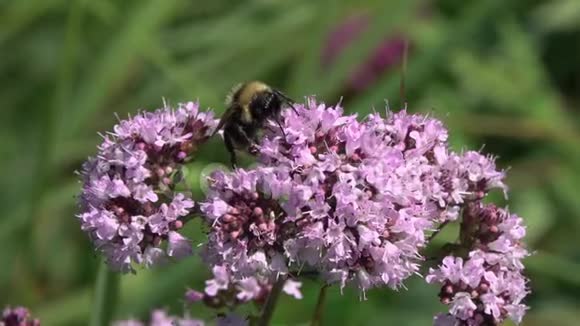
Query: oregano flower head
{"x":353,"y":201}
{"x":488,"y":286}
{"x":130,"y":208}
{"x":160,"y":317}
{"x":17,"y":316}
{"x":348,"y":201}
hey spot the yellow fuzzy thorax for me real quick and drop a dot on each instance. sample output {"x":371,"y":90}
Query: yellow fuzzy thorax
{"x":243,"y":95}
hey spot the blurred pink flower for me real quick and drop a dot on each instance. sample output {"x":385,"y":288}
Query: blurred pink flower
{"x":385,"y":56}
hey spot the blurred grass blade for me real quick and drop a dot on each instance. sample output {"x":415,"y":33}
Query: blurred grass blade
{"x":105,"y":296}
{"x":112,"y":68}
{"x":19,"y":219}
{"x":20,"y":14}
{"x":73,"y":309}
{"x":137,"y":294}
{"x":310,"y":78}
{"x":554,"y":266}
{"x":421,"y":67}
{"x":557,"y":15}
{"x":182,"y":78}
{"x":314,"y":33}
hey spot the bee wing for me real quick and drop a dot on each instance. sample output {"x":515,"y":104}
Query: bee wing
{"x":230,"y":97}
{"x":225,"y":117}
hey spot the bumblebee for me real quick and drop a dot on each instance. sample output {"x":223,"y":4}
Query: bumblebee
{"x":249,"y":106}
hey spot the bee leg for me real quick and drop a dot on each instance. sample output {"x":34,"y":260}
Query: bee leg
{"x":255,"y":139}
{"x":244,"y":135}
{"x":253,"y":147}
{"x":230,"y":147}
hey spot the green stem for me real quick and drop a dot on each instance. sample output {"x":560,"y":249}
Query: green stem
{"x":270,"y":306}
{"x":317,"y":317}
{"x":404,"y":74}
{"x":105,"y":296}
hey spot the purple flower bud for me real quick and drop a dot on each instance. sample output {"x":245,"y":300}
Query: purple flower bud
{"x":141,"y":146}
{"x":192,"y":296}
{"x":177,"y":225}
{"x":258,"y":211}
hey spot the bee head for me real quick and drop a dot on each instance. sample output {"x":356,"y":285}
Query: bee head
{"x":265,"y":104}
{"x":258,"y":100}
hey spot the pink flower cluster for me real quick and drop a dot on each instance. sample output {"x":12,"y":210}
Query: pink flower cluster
{"x":243,"y":209}
{"x":387,"y":55}
{"x":225,"y":291}
{"x":17,"y":316}
{"x":353,"y":201}
{"x":129,"y":206}
{"x":488,"y":286}
{"x":160,"y":317}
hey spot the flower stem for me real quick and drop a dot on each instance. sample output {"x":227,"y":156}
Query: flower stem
{"x":317,"y":317}
{"x":268,"y":310}
{"x":105,"y":296}
{"x":404,"y":73}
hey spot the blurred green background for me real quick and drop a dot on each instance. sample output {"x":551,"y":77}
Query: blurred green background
{"x":501,"y":73}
